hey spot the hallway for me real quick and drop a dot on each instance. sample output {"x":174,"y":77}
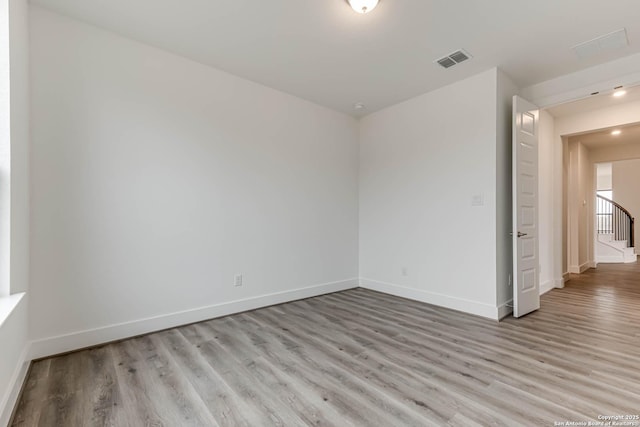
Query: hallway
{"x":612,"y":285}
{"x":597,"y":314}
{"x":600,"y":308}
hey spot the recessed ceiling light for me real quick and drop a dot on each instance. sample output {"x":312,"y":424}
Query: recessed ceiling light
{"x":616,"y":132}
{"x":363,"y":6}
{"x":619,"y":93}
{"x":359,"y":106}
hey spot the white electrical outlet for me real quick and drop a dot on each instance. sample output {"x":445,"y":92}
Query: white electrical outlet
{"x":510,"y":280}
{"x":237,"y":280}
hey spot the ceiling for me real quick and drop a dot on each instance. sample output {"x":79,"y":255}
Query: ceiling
{"x":322,"y":51}
{"x":603,"y":138}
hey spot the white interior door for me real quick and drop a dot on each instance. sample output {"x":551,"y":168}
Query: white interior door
{"x":526,"y":286}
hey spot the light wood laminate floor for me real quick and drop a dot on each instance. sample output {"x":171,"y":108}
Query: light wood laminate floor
{"x":361,"y":358}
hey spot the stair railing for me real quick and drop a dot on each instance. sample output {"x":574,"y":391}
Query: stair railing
{"x":613,"y":219}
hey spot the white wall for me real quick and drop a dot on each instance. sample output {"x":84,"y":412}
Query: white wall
{"x":626,"y":178}
{"x":580,"y":195}
{"x":616,"y":153}
{"x":585,"y":206}
{"x":506,"y":89}
{"x":5,"y":149}
{"x":421,"y":164}
{"x":15,"y":210}
{"x":20,"y":145}
{"x":618,"y":115}
{"x":546,"y":203}
{"x":156,"y":179}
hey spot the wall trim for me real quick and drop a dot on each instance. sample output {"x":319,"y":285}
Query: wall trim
{"x":547,"y":286}
{"x":10,"y":399}
{"x":447,"y":301}
{"x":82,"y":339}
{"x":559,"y":283}
{"x":587,"y":265}
{"x":613,"y":259}
{"x":579,"y":269}
{"x":505,"y":309}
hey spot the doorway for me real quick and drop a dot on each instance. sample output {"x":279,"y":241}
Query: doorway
{"x":575,"y":138}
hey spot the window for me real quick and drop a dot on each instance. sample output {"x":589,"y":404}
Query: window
{"x":608,"y":194}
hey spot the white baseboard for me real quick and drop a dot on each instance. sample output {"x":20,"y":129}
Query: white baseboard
{"x":454,"y":303}
{"x":611,"y":259}
{"x":579,"y":269}
{"x":9,"y":401}
{"x":82,"y":339}
{"x":505,"y":309}
{"x":559,"y":283}
{"x":547,"y":286}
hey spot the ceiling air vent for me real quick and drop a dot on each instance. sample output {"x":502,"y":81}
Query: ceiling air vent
{"x":447,"y":62}
{"x":453,"y":58}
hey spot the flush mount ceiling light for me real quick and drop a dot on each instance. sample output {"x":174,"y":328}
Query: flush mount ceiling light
{"x":616,"y":132}
{"x":363,"y":6}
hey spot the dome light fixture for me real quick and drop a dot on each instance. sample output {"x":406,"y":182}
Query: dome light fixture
{"x":363,"y":6}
